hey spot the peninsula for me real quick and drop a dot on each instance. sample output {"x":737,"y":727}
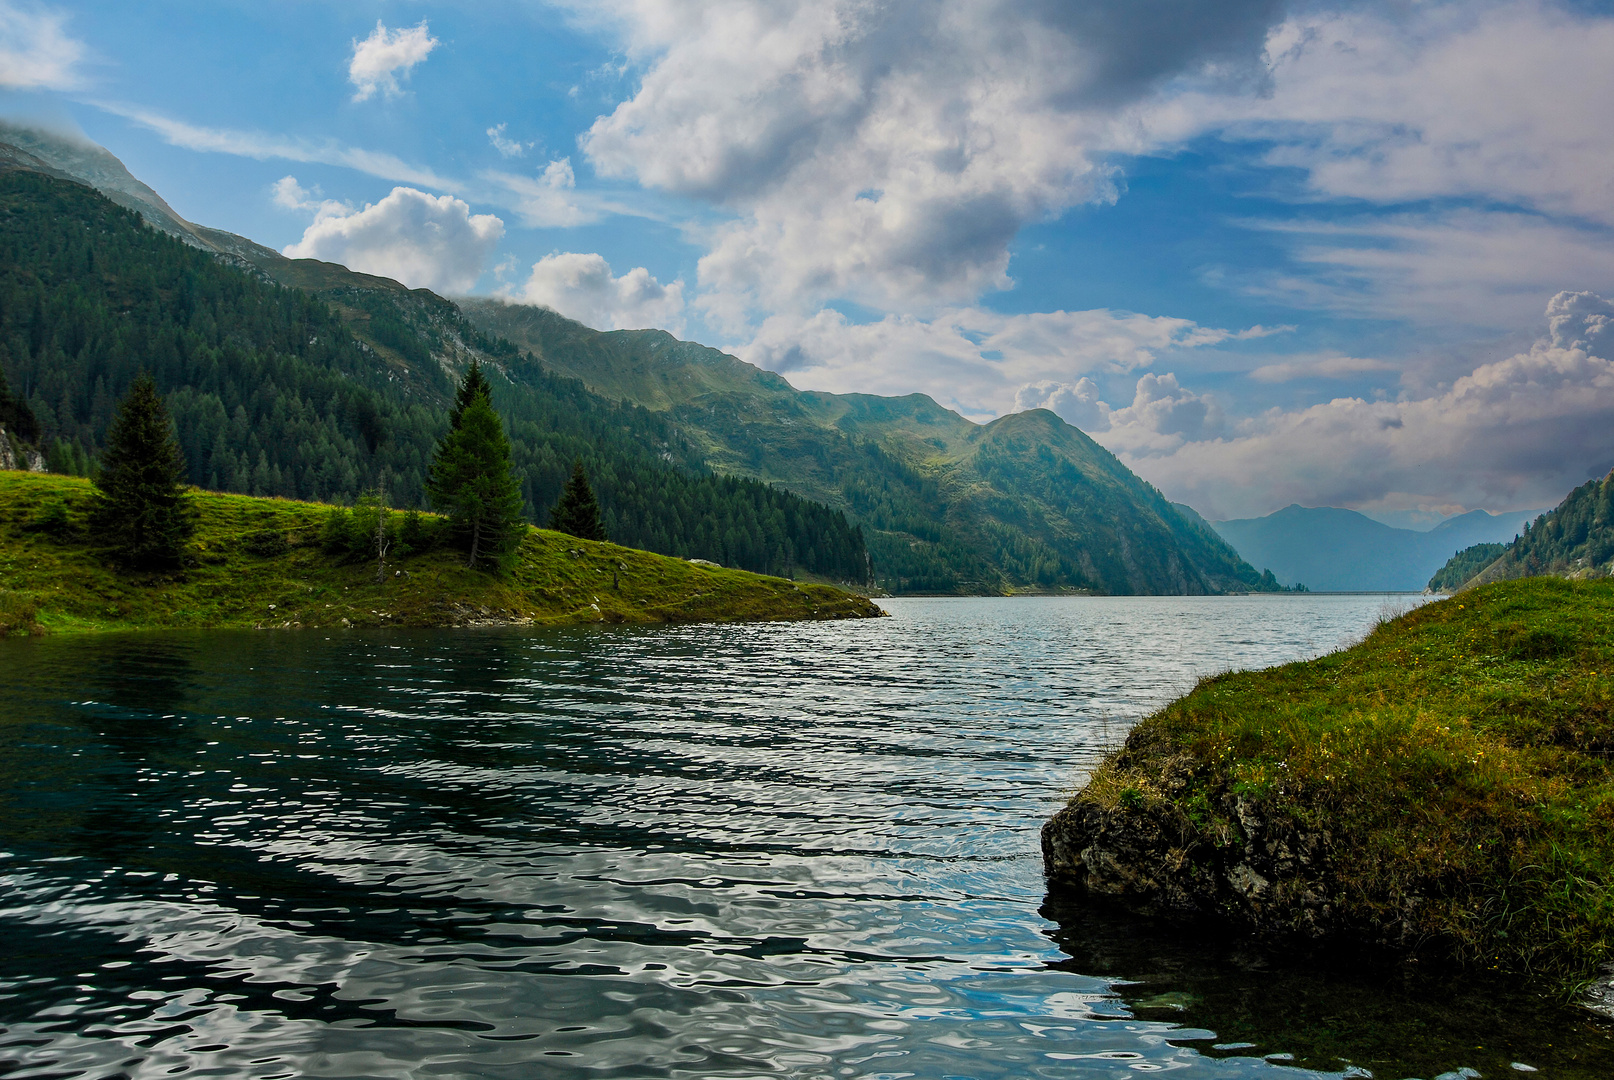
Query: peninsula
{"x":267,"y":563}
{"x":1444,"y":787}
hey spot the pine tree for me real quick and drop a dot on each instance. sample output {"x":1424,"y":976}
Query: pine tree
{"x":142,"y":505}
{"x":577,"y":512}
{"x":471,"y":482}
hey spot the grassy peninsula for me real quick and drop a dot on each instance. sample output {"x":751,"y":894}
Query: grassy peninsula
{"x":261,"y":562}
{"x":1445,"y":787}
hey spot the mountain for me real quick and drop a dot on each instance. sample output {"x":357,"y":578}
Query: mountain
{"x":1335,"y":550}
{"x":947,"y":505}
{"x":275,"y":391}
{"x":1574,"y":540}
{"x":677,"y":435}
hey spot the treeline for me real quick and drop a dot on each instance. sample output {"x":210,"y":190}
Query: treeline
{"x":273,"y":394}
{"x":1464,"y":565}
{"x":1576,"y":538}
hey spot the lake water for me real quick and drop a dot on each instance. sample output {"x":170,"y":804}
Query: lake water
{"x":740,"y":851}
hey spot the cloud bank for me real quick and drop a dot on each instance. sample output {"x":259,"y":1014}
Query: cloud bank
{"x":1520,"y":431}
{"x":425,"y":241}
{"x":888,"y":153}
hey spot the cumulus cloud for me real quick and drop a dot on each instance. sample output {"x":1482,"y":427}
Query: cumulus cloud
{"x":1077,"y":403}
{"x":384,"y":57}
{"x":888,"y":153}
{"x":1520,"y":431}
{"x":36,"y":51}
{"x":424,"y":241}
{"x":582,"y":287}
{"x":983,"y":363}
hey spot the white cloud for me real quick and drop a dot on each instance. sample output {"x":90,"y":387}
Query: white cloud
{"x":36,"y":52}
{"x":1498,"y":106}
{"x":424,"y":241}
{"x":1330,"y":366}
{"x":582,"y":287}
{"x":1512,"y":433}
{"x":510,"y":148}
{"x":385,"y":56}
{"x":261,"y":147}
{"x":980,"y":362}
{"x":1078,"y":403}
{"x":550,"y":200}
{"x":888,"y":153}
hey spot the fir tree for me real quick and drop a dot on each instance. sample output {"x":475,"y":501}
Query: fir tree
{"x":475,"y":384}
{"x":471,"y":482}
{"x":142,"y":506}
{"x":577,"y":512}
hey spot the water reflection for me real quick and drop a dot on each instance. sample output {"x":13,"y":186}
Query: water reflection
{"x":734,"y":851}
{"x":1324,"y":1010}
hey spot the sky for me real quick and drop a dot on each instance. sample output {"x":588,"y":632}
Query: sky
{"x":1339,"y":254}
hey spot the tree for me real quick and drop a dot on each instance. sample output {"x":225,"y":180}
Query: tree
{"x":142,"y":505}
{"x":577,"y":512}
{"x":471,"y":482}
{"x":474,"y":385}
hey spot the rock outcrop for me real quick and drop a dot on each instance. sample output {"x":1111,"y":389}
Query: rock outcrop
{"x":1240,"y":864}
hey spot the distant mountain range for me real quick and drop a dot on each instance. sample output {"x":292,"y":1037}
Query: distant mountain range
{"x":1329,"y":549}
{"x":1025,"y":503}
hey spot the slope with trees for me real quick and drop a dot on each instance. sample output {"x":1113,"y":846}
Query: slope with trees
{"x":1026,"y":502}
{"x":1574,"y":540}
{"x":277,"y":391}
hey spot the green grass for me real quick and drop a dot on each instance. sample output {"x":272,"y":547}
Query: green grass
{"x":1458,"y":761}
{"x":53,"y":579}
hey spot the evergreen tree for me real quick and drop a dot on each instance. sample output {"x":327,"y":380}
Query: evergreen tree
{"x":471,"y":482}
{"x":475,"y":384}
{"x":142,"y":505}
{"x":577,"y":512}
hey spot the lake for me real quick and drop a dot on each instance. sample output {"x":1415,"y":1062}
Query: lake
{"x":736,"y":851}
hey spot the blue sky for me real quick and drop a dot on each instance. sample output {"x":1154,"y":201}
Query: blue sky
{"x":1266,"y":252}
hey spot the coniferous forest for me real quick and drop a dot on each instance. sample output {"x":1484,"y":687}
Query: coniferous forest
{"x":274,"y":393}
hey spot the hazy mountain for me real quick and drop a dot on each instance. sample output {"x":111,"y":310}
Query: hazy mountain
{"x":946,"y":505}
{"x":1334,"y":550}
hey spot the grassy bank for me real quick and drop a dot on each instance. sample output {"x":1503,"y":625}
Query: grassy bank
{"x":260,"y":562}
{"x":1444,"y":786}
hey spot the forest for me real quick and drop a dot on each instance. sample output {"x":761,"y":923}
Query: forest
{"x":278,"y":392}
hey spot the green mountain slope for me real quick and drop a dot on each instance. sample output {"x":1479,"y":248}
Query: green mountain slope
{"x":1575,"y":540}
{"x":1025,"y":502}
{"x":279,"y":391}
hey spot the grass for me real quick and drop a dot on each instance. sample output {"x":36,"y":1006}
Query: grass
{"x":259,"y":563}
{"x":1457,"y":761}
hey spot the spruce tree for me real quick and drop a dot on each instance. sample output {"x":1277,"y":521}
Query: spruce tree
{"x":577,"y":512}
{"x":474,"y":384}
{"x":471,"y":482}
{"x":142,"y":506}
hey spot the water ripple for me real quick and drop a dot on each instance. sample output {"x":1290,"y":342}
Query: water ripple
{"x":685,"y":852}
